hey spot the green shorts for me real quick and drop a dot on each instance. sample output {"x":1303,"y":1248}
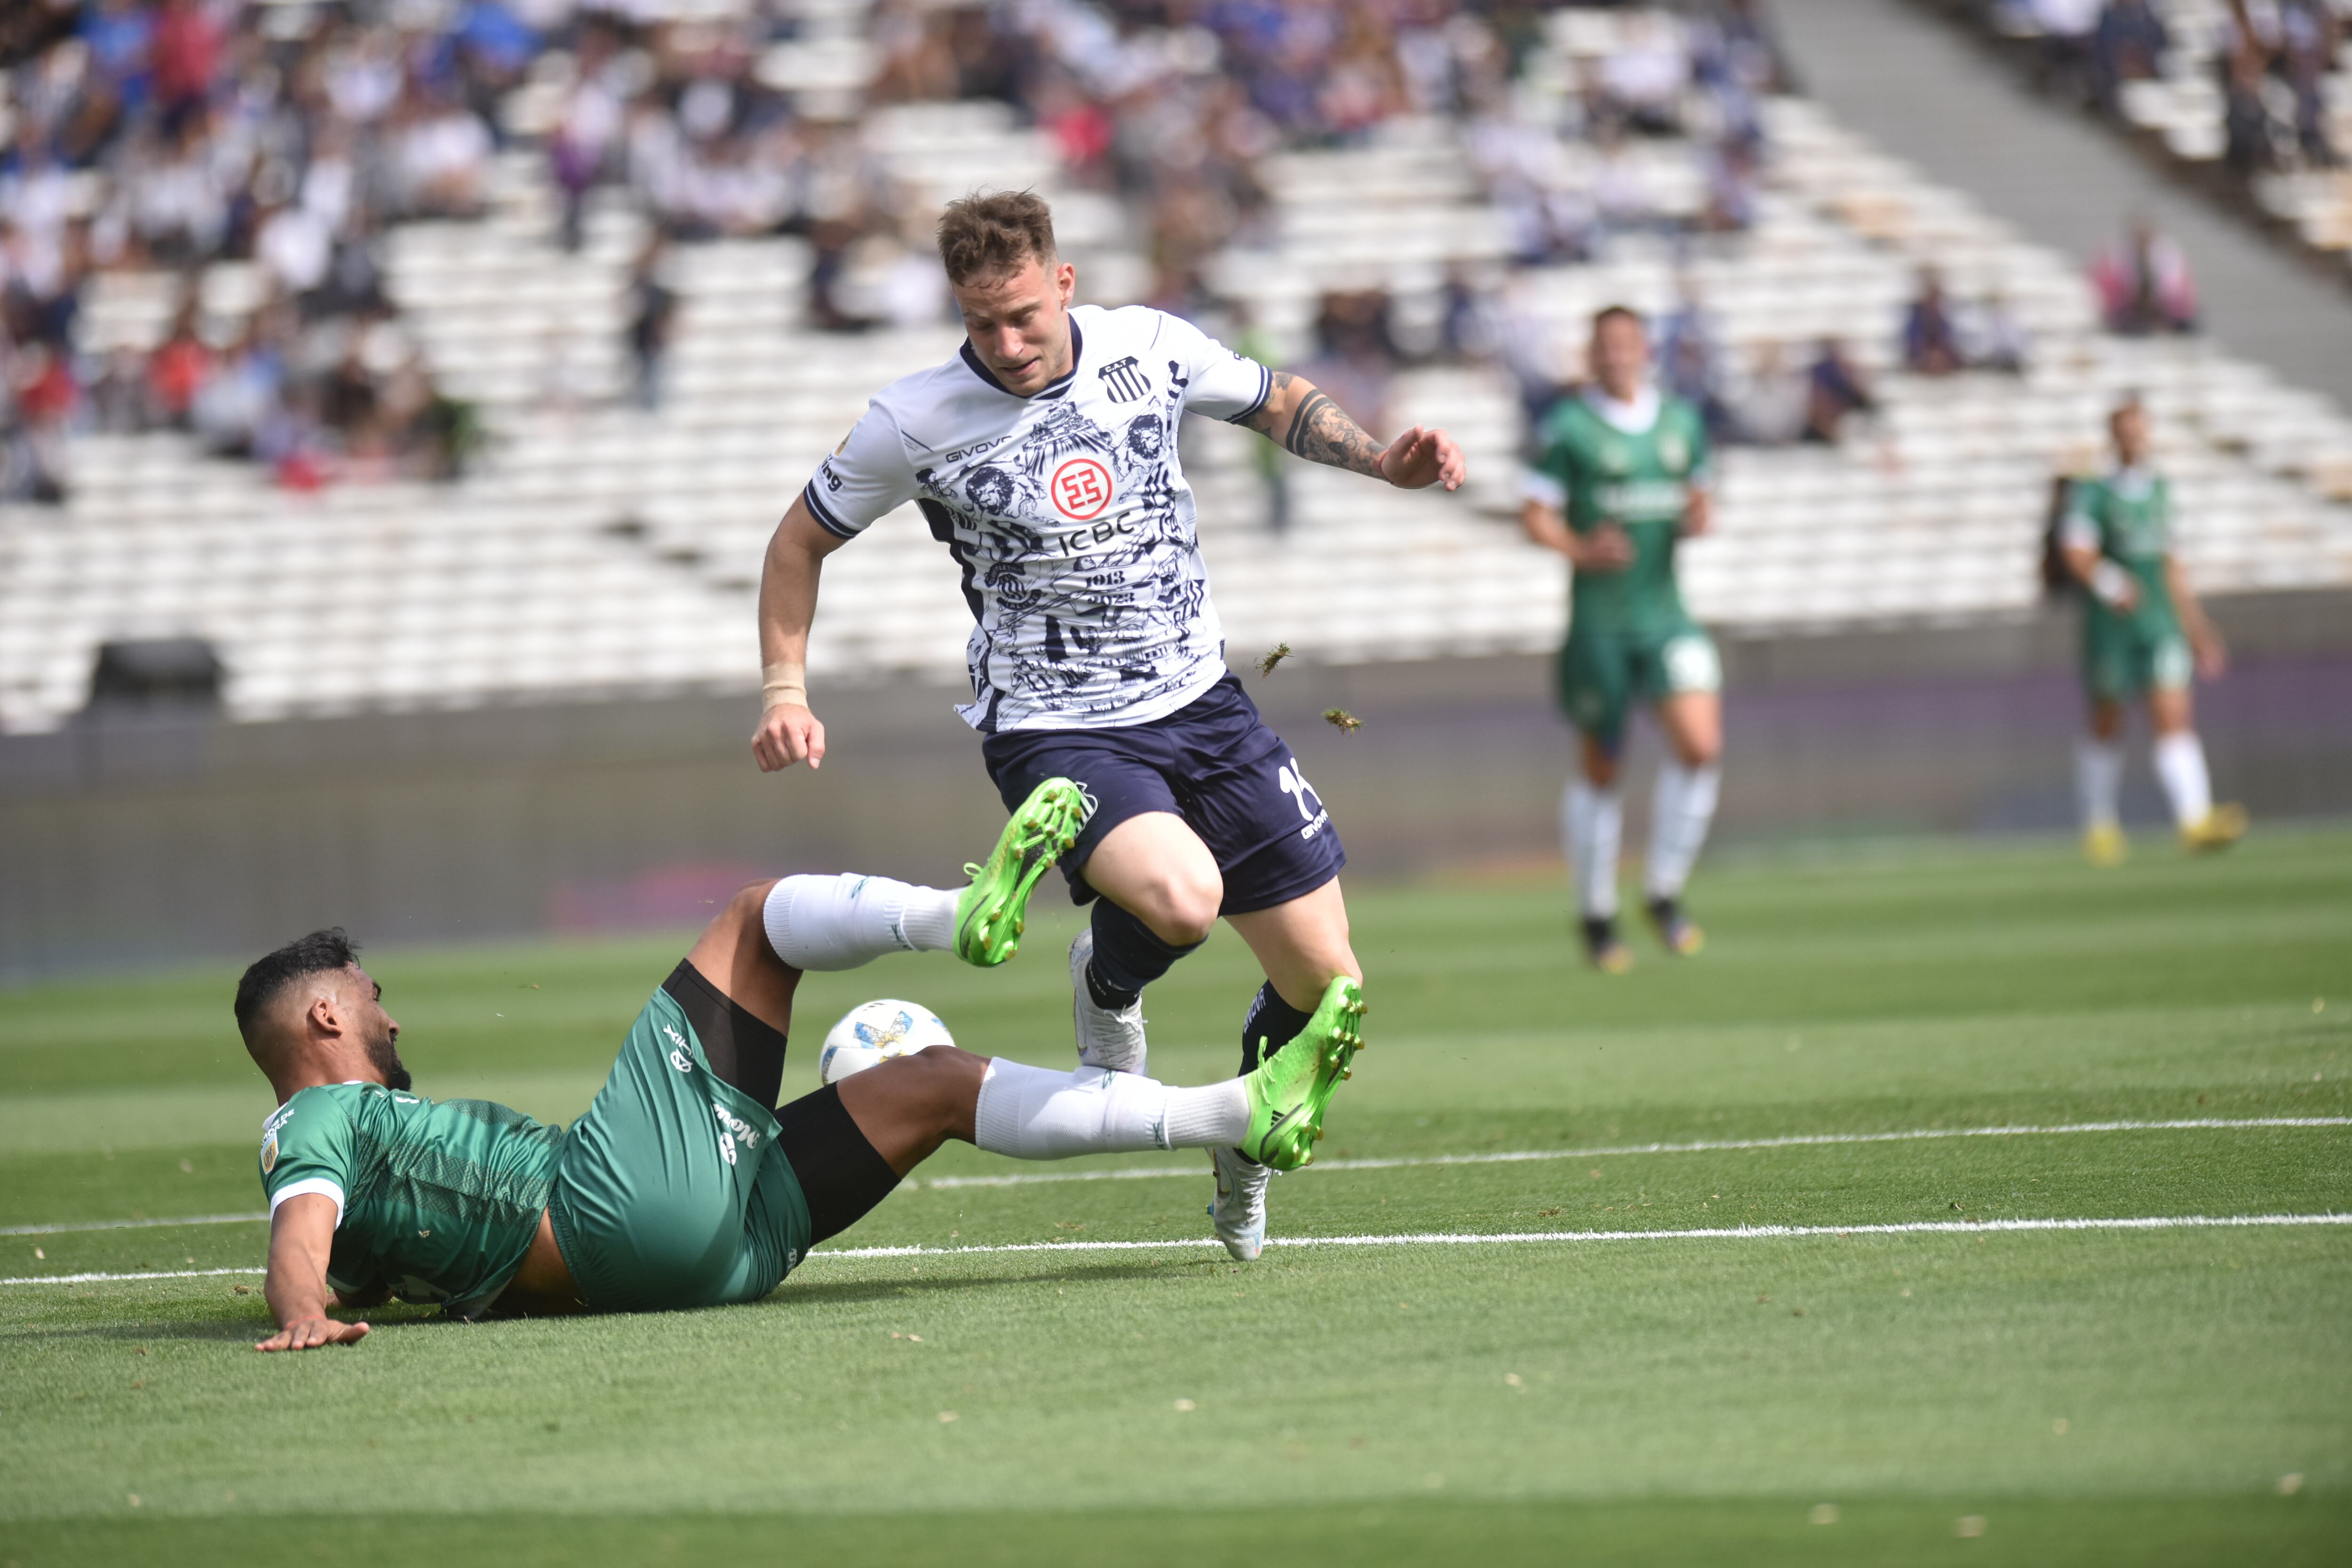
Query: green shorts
{"x":671,"y":1191}
{"x":2125,"y":658}
{"x":1601,"y":673}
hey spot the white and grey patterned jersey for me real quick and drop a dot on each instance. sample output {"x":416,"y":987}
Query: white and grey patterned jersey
{"x":1067,"y":512}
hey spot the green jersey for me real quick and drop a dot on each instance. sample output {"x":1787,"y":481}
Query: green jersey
{"x":2126,"y":517}
{"x":437,"y":1201}
{"x":1635,"y":466}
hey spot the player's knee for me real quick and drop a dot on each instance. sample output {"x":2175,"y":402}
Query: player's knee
{"x":746,"y":916}
{"x":1182,"y":904}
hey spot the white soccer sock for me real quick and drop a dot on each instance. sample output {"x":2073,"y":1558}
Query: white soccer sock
{"x":1680,"y":810}
{"x":840,"y":922}
{"x":2099,"y":780}
{"x":1032,"y":1114}
{"x":1591,"y":821}
{"x":2180,"y":767}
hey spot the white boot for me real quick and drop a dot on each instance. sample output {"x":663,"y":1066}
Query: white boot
{"x":1106,"y":1039}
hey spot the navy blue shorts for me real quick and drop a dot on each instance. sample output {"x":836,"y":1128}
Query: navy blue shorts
{"x":1213,"y":763}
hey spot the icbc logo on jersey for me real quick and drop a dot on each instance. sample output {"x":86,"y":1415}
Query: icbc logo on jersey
{"x":1081,"y":489}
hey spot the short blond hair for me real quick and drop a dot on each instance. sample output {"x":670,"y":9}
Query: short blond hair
{"x":988,"y":236}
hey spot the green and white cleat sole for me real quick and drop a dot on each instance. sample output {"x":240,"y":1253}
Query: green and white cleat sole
{"x":1289,"y":1090}
{"x":991,"y":913}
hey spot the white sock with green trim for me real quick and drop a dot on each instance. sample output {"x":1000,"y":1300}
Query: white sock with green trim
{"x":843,"y":921}
{"x":1591,"y":822}
{"x":2099,"y":781}
{"x":1034,"y":1113}
{"x":2181,"y":768}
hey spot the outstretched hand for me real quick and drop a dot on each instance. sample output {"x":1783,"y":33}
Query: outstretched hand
{"x":1423,"y":457}
{"x":309,"y":1333}
{"x":788,"y":733}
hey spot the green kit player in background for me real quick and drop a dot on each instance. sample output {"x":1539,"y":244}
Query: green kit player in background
{"x":2143,"y":635}
{"x":685,"y":1184}
{"x":1619,"y":478}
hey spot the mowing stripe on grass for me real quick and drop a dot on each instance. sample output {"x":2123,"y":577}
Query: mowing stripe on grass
{"x":1461,"y":1239}
{"x":1796,"y":1140}
{"x":1504,"y":1157}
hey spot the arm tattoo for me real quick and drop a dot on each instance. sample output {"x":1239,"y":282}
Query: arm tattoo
{"x":1321,"y":432}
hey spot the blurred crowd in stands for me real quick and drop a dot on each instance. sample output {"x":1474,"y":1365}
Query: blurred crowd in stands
{"x":169,"y":138}
{"x":2271,"y":62}
{"x":253,"y":156}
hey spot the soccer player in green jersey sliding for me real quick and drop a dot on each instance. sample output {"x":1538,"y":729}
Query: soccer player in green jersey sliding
{"x":1619,"y":478}
{"x":2144,"y":635}
{"x":684,"y":1185}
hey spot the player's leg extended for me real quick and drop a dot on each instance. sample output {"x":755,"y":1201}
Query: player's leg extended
{"x":2099,"y":783}
{"x":842,"y":922}
{"x":1682,"y":807}
{"x":1159,"y":890}
{"x":1594,"y":678}
{"x":2180,"y":759}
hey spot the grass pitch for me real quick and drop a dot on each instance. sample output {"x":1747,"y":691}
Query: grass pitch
{"x":2153,"y":1394}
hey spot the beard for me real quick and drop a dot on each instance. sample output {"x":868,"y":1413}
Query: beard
{"x":383,"y":1055}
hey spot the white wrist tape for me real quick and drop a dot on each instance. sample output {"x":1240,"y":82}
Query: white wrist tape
{"x":782,"y":682}
{"x":2112,"y":583}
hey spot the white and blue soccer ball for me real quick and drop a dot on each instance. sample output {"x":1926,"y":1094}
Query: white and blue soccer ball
{"x":872,"y":1032}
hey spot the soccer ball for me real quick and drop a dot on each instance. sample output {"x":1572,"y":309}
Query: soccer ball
{"x":874,"y":1032}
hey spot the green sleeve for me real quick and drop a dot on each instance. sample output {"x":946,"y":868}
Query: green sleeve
{"x":307,"y":1148}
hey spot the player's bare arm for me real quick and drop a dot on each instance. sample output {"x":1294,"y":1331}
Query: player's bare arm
{"x":2204,"y":638}
{"x":2101,"y":577}
{"x":1605,"y":549}
{"x":1309,"y":423}
{"x":301,"y":1233}
{"x":789,"y":732}
{"x":1698,"y":513}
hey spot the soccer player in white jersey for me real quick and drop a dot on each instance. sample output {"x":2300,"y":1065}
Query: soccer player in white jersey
{"x":1044,"y":457}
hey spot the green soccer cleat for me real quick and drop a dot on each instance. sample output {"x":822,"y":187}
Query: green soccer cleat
{"x":991,"y":913}
{"x":1289,"y":1090}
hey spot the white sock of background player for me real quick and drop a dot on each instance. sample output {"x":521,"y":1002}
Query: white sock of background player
{"x":1590,"y":823}
{"x":842,"y":922}
{"x":2099,"y":781}
{"x":1681,"y":807}
{"x":1032,"y":1114}
{"x":2181,"y":768}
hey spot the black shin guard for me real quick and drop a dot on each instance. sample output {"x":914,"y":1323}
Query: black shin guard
{"x":1128,"y":956}
{"x":841,"y":1174}
{"x":1270,"y":1022}
{"x":743,"y":1051}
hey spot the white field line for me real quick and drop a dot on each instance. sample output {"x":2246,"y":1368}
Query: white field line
{"x":131,"y":1224}
{"x":1506,"y":1157}
{"x":1459,"y":1238}
{"x":1799,"y":1140}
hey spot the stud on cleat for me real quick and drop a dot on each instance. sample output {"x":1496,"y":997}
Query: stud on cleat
{"x":993,"y":912}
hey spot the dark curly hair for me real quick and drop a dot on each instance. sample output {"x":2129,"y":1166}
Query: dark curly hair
{"x":317,"y":954}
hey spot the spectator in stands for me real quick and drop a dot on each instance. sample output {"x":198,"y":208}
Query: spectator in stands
{"x":1356,"y":356}
{"x":1996,"y":339}
{"x":2128,"y":46}
{"x":1835,"y":389}
{"x":2311,"y":36}
{"x":2143,"y":283}
{"x":2247,"y":146}
{"x":1691,"y":360}
{"x":2067,"y":28}
{"x":1931,"y":339}
{"x":653,"y":310}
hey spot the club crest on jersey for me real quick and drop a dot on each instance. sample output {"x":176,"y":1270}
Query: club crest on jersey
{"x":1673,"y":451}
{"x":1081,"y":489}
{"x":269,"y":1153}
{"x":1123,"y":380}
